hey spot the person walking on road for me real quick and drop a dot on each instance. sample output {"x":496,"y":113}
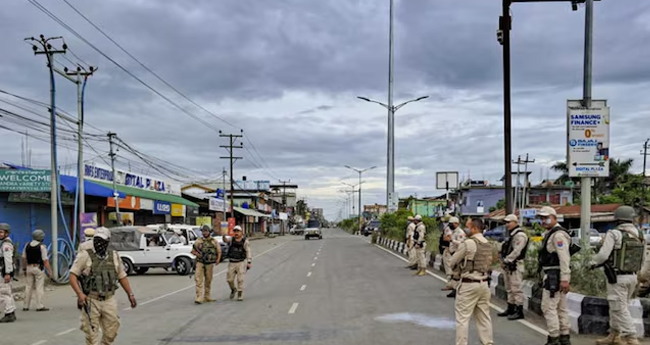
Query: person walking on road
{"x":93,"y":277}
{"x":208,"y":253}
{"x":513,"y":253}
{"x":239,"y":261}
{"x":474,"y":260}
{"x":555,"y":262}
{"x":88,"y":243}
{"x":7,"y":266}
{"x":410,"y":247}
{"x":623,"y":253}
{"x":419,"y":241}
{"x":457,"y":237}
{"x":34,"y":262}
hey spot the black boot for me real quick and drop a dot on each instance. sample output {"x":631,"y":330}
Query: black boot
{"x":452,"y":294}
{"x":565,"y":339}
{"x":509,"y":311}
{"x":552,"y":340}
{"x":518,"y":313}
{"x":10,"y":317}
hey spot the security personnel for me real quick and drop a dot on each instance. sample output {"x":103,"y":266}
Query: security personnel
{"x":623,"y":252}
{"x":208,"y":253}
{"x":93,"y":277}
{"x":239,"y":261}
{"x":420,"y":244}
{"x":474,"y":260}
{"x":410,"y":247}
{"x":513,"y":253}
{"x":88,"y":243}
{"x":458,"y":236}
{"x":34,"y":261}
{"x":6,"y":273}
{"x":555,"y":261}
{"x":445,"y":240}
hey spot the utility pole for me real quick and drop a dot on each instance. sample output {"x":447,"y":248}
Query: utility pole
{"x":585,"y":185}
{"x":116,"y":195}
{"x":645,"y":186}
{"x":42,"y":46}
{"x":223,"y":175}
{"x":284,"y":198}
{"x":390,"y":179}
{"x":230,"y":147}
{"x":519,"y":163}
{"x":522,"y":200}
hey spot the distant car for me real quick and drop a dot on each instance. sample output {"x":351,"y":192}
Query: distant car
{"x":497,"y":234}
{"x":595,"y":238}
{"x":313,"y":232}
{"x":373,"y":225}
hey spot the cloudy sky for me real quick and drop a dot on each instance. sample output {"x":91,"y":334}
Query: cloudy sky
{"x":287,"y":72}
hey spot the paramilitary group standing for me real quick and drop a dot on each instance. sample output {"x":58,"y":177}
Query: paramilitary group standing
{"x":467,"y":259}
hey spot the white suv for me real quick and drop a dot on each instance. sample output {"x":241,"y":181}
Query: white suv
{"x":141,"y":248}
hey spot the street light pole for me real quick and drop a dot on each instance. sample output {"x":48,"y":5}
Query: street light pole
{"x":390,"y":162}
{"x":360,"y":171}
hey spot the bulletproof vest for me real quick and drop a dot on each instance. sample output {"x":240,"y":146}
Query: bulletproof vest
{"x":102,"y":279}
{"x":547,"y":259}
{"x":33,"y":254}
{"x":2,"y":260}
{"x":237,"y":253}
{"x":482,"y":262}
{"x":416,"y":234}
{"x":208,"y":251}
{"x":508,"y":248}
{"x":629,"y":258}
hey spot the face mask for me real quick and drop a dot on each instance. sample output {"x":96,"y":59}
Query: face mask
{"x":101,"y":246}
{"x":548,"y":221}
{"x":452,"y":226}
{"x":468,"y":231}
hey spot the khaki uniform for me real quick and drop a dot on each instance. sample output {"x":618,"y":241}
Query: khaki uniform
{"x":204,"y":271}
{"x":619,"y":294}
{"x":410,"y":247}
{"x":421,"y":260}
{"x":473,"y":295}
{"x":238,"y":269}
{"x":35,"y":284}
{"x":514,"y":279}
{"x":103,"y":312}
{"x":6,"y":297}
{"x":554,"y":308}
{"x":88,"y":244}
{"x":458,"y":236}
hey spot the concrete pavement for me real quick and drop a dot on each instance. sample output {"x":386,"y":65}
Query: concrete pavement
{"x":339,"y":290}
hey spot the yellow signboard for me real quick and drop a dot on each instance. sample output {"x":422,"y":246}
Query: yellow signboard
{"x":177,"y":210}
{"x":201,"y":221}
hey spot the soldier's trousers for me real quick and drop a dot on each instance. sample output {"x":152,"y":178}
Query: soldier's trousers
{"x":473,"y":299}
{"x":236,"y":269}
{"x":6,"y":297}
{"x":513,"y":281}
{"x":203,"y":279}
{"x":34,"y":286}
{"x":103,"y":316}
{"x":413,"y":257}
{"x":618,"y":297}
{"x":555,"y":313}
{"x":449,"y":271}
{"x":421,"y":256}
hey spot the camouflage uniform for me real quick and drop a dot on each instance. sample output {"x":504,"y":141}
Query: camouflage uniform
{"x":208,"y":251}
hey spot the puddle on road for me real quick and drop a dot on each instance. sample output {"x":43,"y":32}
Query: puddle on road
{"x":418,"y":319}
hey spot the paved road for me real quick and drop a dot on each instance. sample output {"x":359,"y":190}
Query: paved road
{"x":339,"y":290}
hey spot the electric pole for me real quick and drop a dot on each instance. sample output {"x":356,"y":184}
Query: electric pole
{"x":224,"y":187}
{"x":645,"y":186}
{"x":42,"y":46}
{"x":284,"y":198}
{"x":230,"y":147}
{"x":523,"y":199}
{"x":116,"y":195}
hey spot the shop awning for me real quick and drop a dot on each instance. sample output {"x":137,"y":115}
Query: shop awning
{"x":249,"y":212}
{"x":146,"y":194}
{"x":69,"y":184}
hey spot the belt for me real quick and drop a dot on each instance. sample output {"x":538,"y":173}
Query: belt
{"x":622,"y":273}
{"x":98,"y":297}
{"x":467,"y":280}
{"x":34,"y":265}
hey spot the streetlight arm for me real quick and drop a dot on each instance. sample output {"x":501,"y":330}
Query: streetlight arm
{"x":372,"y":101}
{"x":411,"y":101}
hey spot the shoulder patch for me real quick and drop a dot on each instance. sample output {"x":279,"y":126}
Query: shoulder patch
{"x":560,"y":243}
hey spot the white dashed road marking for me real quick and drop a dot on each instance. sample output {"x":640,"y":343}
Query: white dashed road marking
{"x":293,"y":308}
{"x":65,"y":332}
{"x":309,"y":274}
{"x":314,"y":264}
{"x":40,"y":342}
{"x":302,"y":288}
{"x":315,"y":257}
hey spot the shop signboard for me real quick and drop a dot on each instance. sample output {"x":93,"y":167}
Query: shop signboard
{"x":129,"y":202}
{"x":162,"y":207}
{"x":201,"y":221}
{"x":25,"y":180}
{"x":588,"y":139}
{"x":177,"y":210}
{"x":130,"y":179}
{"x":218,"y":205}
{"x":87,"y":221}
{"x":40,"y":198}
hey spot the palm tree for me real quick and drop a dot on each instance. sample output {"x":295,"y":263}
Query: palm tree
{"x":619,"y":172}
{"x":562,"y":168}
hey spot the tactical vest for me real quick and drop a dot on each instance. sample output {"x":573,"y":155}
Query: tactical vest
{"x":3,"y":265}
{"x":482,"y":262}
{"x":102,"y":279}
{"x":208,"y":251}
{"x":629,"y":258}
{"x":33,"y":255}
{"x":507,"y":245}
{"x":547,"y":259}
{"x":237,"y":252}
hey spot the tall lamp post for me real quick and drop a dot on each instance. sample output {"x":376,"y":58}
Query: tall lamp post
{"x":390,"y":178}
{"x":360,"y":171}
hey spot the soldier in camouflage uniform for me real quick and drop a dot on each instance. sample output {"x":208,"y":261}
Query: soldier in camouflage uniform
{"x":208,"y":253}
{"x":623,"y":252}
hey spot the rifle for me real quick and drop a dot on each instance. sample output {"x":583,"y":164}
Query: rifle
{"x":610,"y":273}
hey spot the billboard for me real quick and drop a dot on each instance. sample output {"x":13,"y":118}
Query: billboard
{"x":588,"y":139}
{"x":25,"y":180}
{"x":447,"y":180}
